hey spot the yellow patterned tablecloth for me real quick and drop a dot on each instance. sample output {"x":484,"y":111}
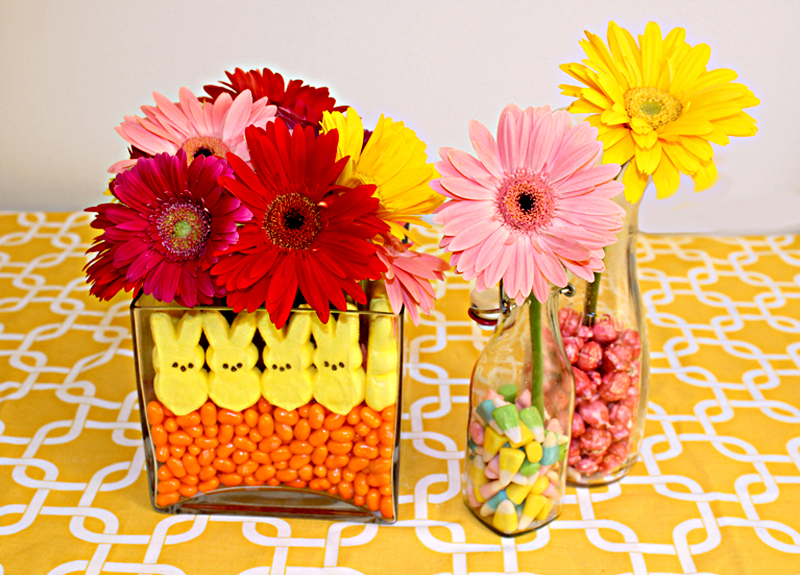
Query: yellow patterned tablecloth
{"x":717,"y":489}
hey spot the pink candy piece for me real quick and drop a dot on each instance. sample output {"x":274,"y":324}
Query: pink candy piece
{"x":604,"y":331}
{"x":590,"y":356}
{"x":490,"y":489}
{"x":473,"y":501}
{"x":493,"y":468}
{"x":630,"y":337}
{"x":554,"y":426}
{"x":584,"y":387}
{"x":615,"y":456}
{"x":617,"y":357}
{"x":614,"y":386}
{"x":578,"y":427}
{"x":544,"y":469}
{"x":595,"y":440}
{"x":568,"y":321}
{"x":573,"y":345}
{"x":586,"y":466}
{"x":524,"y":399}
{"x":585,"y":333}
{"x":620,"y":413}
{"x":493,"y":395}
{"x":574,"y":453}
{"x":551,"y":492}
{"x":594,"y":414}
{"x":476,"y":432}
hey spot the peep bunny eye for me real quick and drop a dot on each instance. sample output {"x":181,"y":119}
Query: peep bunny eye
{"x":224,"y":366}
{"x":175,"y":364}
{"x":341,"y":365}
{"x":239,"y":365}
{"x":288,"y":366}
{"x":191,"y":366}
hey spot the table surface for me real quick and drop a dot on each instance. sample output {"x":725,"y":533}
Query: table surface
{"x":716,"y":489}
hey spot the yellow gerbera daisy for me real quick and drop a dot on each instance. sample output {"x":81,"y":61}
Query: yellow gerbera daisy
{"x":394,"y":160}
{"x":657,"y":103}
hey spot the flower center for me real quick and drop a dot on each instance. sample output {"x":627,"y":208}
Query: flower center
{"x":525,"y":202}
{"x":292,"y":222}
{"x":652,"y":105}
{"x":183,"y":228}
{"x":204,"y":146}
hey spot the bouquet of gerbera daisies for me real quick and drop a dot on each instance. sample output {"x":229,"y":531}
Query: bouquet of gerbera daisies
{"x":264,"y":193}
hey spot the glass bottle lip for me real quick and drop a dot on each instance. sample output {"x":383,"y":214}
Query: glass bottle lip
{"x":489,"y":316}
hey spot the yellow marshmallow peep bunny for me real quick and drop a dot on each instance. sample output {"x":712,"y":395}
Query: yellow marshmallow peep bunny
{"x":382,"y":358}
{"x":288,"y":372}
{"x":234,"y":382}
{"x":339,"y":383}
{"x":181,"y":382}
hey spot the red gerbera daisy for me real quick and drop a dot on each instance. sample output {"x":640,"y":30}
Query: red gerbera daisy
{"x":162,"y":235}
{"x":305,"y":233}
{"x":296,"y":102}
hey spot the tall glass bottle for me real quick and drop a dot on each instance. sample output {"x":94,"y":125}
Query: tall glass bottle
{"x":521,"y":398}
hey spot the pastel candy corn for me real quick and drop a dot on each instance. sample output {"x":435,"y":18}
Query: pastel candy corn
{"x":529,"y":467}
{"x":531,"y":417}
{"x":472,"y":445}
{"x":473,"y":501}
{"x":541,"y":483}
{"x":492,"y":394}
{"x":476,"y":432}
{"x":490,"y":489}
{"x":508,"y":391}
{"x":507,"y":418}
{"x":492,"y":442}
{"x":492,"y":473}
{"x":510,"y":461}
{"x":527,"y":437}
{"x":494,"y":466}
{"x":562,"y":451}
{"x":550,"y":449}
{"x":534,"y":452}
{"x":533,"y":505}
{"x":517,"y":493}
{"x":505,"y":518}
{"x":492,"y":504}
{"x":545,"y":511}
{"x":544,"y":469}
{"x":554,"y":425}
{"x":520,"y":479}
{"x":524,"y":399}
{"x":484,"y":411}
{"x":476,"y":468}
{"x":551,"y":492}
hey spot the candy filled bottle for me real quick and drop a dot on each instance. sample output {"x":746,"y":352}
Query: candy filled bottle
{"x":605,"y":336}
{"x":521,"y":398}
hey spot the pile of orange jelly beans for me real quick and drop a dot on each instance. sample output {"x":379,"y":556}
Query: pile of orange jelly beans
{"x":349,"y":456}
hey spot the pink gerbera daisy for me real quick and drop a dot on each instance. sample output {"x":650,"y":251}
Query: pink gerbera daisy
{"x":197,"y":128}
{"x":534,"y":201}
{"x":162,"y":235}
{"x":409,"y":276}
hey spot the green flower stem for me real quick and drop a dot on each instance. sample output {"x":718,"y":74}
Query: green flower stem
{"x":537,"y":354}
{"x":592,"y":293}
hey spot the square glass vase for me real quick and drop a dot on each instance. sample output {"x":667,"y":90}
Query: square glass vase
{"x":239,"y":417}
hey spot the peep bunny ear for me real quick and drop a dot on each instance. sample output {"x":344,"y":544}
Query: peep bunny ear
{"x":299,"y":327}
{"x":243,"y":329}
{"x":167,"y":330}
{"x":268,"y":330}
{"x":216,"y":327}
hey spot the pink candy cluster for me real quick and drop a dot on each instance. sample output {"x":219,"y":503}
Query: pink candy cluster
{"x":605,"y":362}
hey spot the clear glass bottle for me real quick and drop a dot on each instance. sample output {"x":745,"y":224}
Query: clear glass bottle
{"x":521,"y":397}
{"x":605,"y":336}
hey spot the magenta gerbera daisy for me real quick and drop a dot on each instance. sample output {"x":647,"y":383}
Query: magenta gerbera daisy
{"x":306,"y":232}
{"x":163,"y":234}
{"x":409,"y":275}
{"x":533,"y":202}
{"x":197,"y":128}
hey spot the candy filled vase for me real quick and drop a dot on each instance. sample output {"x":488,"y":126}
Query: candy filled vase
{"x":521,"y":397}
{"x":239,"y":417}
{"x":605,"y":335}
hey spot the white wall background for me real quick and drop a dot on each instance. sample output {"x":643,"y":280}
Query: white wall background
{"x":70,"y":70}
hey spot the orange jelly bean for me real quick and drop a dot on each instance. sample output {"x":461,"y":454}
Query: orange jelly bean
{"x":224,"y":465}
{"x":378,"y":479}
{"x":385,"y":489}
{"x":191,"y":419}
{"x":387,"y":507}
{"x":244,"y":444}
{"x":206,"y":442}
{"x":168,"y":485}
{"x":208,"y":485}
{"x":188,"y":490}
{"x":365,"y":450}
{"x":303,"y":410}
{"x":206,"y":457}
{"x":229,"y":417}
{"x":305,"y":473}
{"x":302,"y":430}
{"x":334,"y":421}
{"x":248,"y":468}
{"x":380,"y":465}
{"x":162,"y":453}
{"x":319,"y":471}
{"x":348,"y":474}
{"x":207,"y":472}
{"x":266,"y":425}
{"x":343,"y":434}
{"x":319,"y":437}
{"x":319,"y":455}
{"x":250,"y":417}
{"x":176,"y":467}
{"x":386,"y":434}
{"x":177,"y":450}
{"x":360,"y":484}
{"x":155,"y":413}
{"x":159,"y":435}
{"x":297,"y":483}
{"x":319,"y":484}
{"x":285,"y":417}
{"x":164,"y":473}
{"x":284,"y":431}
{"x":336,"y":461}
{"x":373,"y":500}
{"x":167,"y":499}
{"x":265,"y":473}
{"x":230,"y":479}
{"x":170,"y":424}
{"x":362,"y":429}
{"x":281,"y":464}
{"x":224,"y":451}
{"x":274,"y":482}
{"x":298,"y":461}
{"x":263,"y":406}
{"x":346,"y":489}
{"x":286,"y":475}
{"x":316,"y":416}
{"x":180,"y":438}
{"x":340,"y":448}
{"x":388,"y":413}
{"x":190,"y":464}
{"x":194,"y":450}
{"x":208,"y":414}
{"x":241,"y":430}
{"x":225,"y":433}
{"x":255,"y":436}
{"x":252,"y":481}
{"x":371,"y":417}
{"x":335,"y":475}
{"x":357,"y":464}
{"x":269,"y":444}
{"x":193,"y":431}
{"x":301,"y":447}
{"x":354,"y":416}
{"x":211,"y":430}
{"x":261,"y":457}
{"x":281,"y":454}
{"x":190,"y":480}
{"x":385,"y":451}
{"x":239,"y":457}
{"x":359,"y":500}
